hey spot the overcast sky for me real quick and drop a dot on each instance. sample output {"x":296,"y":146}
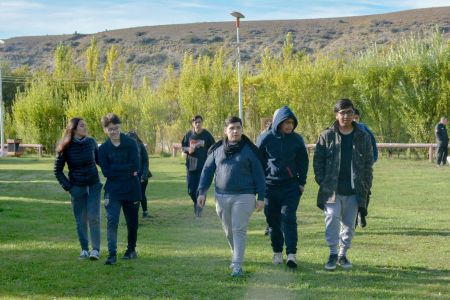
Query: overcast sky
{"x":41,"y":17}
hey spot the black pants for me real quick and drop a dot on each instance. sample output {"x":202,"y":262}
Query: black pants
{"x":282,"y":207}
{"x":144,"y":198}
{"x":442,"y":154}
{"x":131,"y":213}
{"x":193,"y":180}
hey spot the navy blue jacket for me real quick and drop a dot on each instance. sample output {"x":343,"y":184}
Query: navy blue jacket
{"x":241,"y":173}
{"x":286,"y":155}
{"x":81,"y":157}
{"x":118,"y":165}
{"x":372,"y":140}
{"x":441,"y":134}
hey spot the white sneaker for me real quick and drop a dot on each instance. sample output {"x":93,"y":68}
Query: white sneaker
{"x":291,"y":261}
{"x":95,"y":255}
{"x":84,"y":254}
{"x":277,"y":258}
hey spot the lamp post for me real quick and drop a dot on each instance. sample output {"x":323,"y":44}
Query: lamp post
{"x":2,"y":129}
{"x":238,"y":16}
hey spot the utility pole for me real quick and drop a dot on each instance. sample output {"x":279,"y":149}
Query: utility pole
{"x":238,"y":17}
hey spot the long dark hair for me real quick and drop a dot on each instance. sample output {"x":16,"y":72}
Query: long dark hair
{"x":68,"y":134}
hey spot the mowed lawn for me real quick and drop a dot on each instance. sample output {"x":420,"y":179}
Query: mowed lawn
{"x":403,"y":253}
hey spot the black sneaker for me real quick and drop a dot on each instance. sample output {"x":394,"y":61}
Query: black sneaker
{"x":362,"y":221}
{"x":331,"y":263}
{"x":344,"y":262}
{"x":145,"y":214}
{"x":129,"y":254}
{"x":111,"y":260}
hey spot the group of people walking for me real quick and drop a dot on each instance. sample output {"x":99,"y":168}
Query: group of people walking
{"x":123,"y":160}
{"x":274,"y":170}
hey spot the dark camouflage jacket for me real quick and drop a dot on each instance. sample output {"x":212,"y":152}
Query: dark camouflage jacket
{"x":327,"y":159}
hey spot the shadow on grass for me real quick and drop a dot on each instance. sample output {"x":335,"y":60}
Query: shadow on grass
{"x":408,"y":231}
{"x":204,"y":275}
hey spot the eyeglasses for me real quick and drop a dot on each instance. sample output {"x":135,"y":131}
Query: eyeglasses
{"x":113,"y":129}
{"x":348,"y":112}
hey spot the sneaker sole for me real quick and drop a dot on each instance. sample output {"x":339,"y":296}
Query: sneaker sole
{"x":330,"y":268}
{"x":94,"y":257}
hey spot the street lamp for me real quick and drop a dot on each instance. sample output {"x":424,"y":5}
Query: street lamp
{"x":2,"y":129}
{"x":238,"y":16}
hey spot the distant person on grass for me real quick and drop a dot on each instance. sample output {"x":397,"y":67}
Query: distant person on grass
{"x":237,"y":165}
{"x":195,"y":145}
{"x":442,"y":142}
{"x":286,"y":158}
{"x":361,"y":219}
{"x":343,"y":162}
{"x":119,"y":161}
{"x":144,"y":172}
{"x":80,"y":152}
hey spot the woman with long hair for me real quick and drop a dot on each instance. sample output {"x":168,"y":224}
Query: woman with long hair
{"x":80,"y":152}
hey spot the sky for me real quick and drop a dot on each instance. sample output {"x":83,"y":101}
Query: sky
{"x":41,"y":17}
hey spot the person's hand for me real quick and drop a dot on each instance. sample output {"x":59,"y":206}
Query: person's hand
{"x":259,"y":205}
{"x":302,"y":188}
{"x":201,"y":200}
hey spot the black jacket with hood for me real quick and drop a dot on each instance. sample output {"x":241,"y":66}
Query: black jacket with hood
{"x":285,"y":154}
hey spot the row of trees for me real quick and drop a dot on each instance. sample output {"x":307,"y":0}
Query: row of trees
{"x":401,"y":90}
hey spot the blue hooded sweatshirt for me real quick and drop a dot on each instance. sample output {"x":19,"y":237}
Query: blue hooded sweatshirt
{"x":286,"y":155}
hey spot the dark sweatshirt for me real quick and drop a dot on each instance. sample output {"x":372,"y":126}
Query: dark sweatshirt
{"x":286,"y":155}
{"x":118,"y":165}
{"x":81,"y":156}
{"x":241,"y":173}
{"x":196,"y":160}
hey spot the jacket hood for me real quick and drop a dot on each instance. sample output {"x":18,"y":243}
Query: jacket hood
{"x":281,"y":115}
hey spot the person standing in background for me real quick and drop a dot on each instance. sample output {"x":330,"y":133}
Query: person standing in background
{"x":144,"y":172}
{"x":442,"y":142}
{"x":361,"y":218}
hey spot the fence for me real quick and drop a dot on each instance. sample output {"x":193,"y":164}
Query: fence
{"x":389,"y":146}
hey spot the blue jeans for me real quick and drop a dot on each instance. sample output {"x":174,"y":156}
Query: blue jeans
{"x":131,"y":213}
{"x":282,"y":203}
{"x":86,"y":209}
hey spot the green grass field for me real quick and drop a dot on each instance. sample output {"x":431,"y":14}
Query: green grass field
{"x":403,"y":253}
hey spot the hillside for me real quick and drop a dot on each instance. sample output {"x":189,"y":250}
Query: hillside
{"x":152,"y":48}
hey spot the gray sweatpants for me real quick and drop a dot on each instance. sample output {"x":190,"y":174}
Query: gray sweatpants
{"x":340,"y":223}
{"x":234,"y":211}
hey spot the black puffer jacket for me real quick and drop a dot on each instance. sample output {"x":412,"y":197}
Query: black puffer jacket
{"x":81,"y":157}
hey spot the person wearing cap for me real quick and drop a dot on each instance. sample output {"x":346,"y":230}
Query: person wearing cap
{"x":195,"y":145}
{"x":342,"y":163}
{"x":286,"y":160}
